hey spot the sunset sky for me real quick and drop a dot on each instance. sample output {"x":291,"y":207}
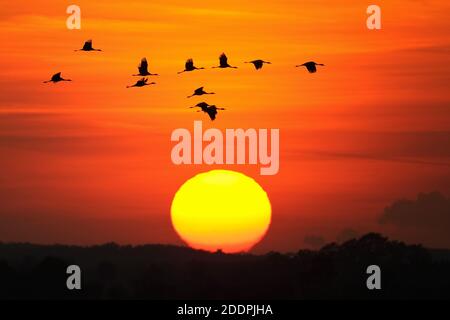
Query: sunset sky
{"x":88,"y":161}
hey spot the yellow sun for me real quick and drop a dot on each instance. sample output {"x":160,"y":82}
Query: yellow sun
{"x":221,"y":209}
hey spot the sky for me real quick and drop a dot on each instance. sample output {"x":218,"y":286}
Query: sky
{"x":88,"y":161}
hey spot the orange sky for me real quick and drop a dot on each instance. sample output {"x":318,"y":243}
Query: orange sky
{"x":89,"y":161}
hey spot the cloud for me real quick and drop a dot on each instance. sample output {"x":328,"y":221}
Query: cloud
{"x":429,"y":210}
{"x":425,"y":219}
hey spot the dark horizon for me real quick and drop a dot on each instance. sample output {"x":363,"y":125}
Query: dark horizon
{"x":172,"y":272}
{"x":186,"y":246}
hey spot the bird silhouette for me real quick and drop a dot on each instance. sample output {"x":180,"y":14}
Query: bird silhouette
{"x":223,"y":62}
{"x":258,"y":63}
{"x":189,"y":66}
{"x":88,"y":47}
{"x":143,"y":69}
{"x":211,"y":110}
{"x":57,"y":78}
{"x":200,"y":92}
{"x":141,"y":83}
{"x":310,"y":66}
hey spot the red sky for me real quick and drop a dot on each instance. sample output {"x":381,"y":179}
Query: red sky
{"x":89,"y":161}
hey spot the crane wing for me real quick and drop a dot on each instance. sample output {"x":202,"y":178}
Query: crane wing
{"x":203,"y":105}
{"x":258,"y":64}
{"x":87,"y":45}
{"x":189,"y":64}
{"x":199,"y":91}
{"x":143,"y":67}
{"x":56,"y":76}
{"x":311,"y":67}
{"x":212,"y":112}
{"x":223,"y":59}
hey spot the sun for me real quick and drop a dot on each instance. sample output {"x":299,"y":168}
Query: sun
{"x":221,"y":210}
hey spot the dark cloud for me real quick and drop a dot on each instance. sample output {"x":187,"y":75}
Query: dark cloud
{"x":429,"y":210}
{"x":425,"y":220}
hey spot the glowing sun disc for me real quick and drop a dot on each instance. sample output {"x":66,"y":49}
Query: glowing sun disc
{"x":221,"y":209}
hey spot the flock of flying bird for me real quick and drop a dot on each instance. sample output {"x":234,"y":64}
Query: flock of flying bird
{"x":211,"y":110}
